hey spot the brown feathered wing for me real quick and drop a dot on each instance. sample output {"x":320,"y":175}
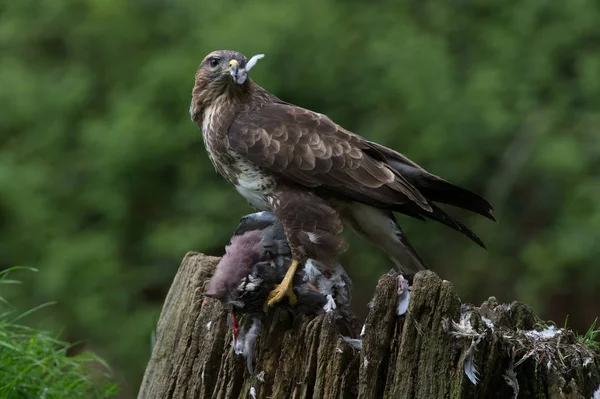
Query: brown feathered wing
{"x":311,"y":150}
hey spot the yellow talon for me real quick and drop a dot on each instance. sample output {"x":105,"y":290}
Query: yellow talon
{"x":284,"y":288}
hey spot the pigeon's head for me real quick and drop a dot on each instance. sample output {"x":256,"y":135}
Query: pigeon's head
{"x":242,"y":253}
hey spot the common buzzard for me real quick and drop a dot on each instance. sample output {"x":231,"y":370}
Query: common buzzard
{"x":312,"y":173}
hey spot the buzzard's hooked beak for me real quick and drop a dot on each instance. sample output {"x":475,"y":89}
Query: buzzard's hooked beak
{"x":239,"y":74}
{"x":234,"y":66}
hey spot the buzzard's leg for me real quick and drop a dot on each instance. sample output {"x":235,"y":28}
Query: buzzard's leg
{"x":284,"y":288}
{"x":312,"y":228}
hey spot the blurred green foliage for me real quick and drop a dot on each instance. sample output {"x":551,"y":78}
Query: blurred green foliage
{"x":104,"y":182}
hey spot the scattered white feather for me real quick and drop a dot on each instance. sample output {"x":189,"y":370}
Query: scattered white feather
{"x":365,"y":363}
{"x":330,"y":305}
{"x":362,"y":331}
{"x":339,"y":350}
{"x":471,"y":371}
{"x":334,"y":287}
{"x":311,"y":271}
{"x":548,"y":333}
{"x":587,"y":362}
{"x":487,"y":322}
{"x":253,"y":392}
{"x":596,"y":394}
{"x":403,"y":296}
{"x":402,"y":305}
{"x":208,"y":325}
{"x":251,"y":283}
{"x":464,"y":328}
{"x":353,"y":342}
{"x":469,"y":362}
{"x":261,"y":376}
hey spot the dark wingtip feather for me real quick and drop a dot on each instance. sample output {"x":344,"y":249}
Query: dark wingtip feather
{"x":484,"y":208}
{"x":447,"y":193}
{"x":478,"y":241}
{"x":433,"y":187}
{"x":469,"y":233}
{"x":440,"y":216}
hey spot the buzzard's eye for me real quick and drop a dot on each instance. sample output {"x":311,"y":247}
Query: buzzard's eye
{"x":213,"y":62}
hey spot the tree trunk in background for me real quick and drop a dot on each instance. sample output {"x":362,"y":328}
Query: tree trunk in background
{"x":436,"y":350}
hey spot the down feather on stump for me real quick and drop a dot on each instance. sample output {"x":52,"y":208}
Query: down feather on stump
{"x":439,"y":348}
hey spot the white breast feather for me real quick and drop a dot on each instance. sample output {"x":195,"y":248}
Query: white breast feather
{"x":253,"y":185}
{"x":209,"y":120}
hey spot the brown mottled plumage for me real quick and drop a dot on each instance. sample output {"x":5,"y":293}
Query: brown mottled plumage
{"x":313,"y":173}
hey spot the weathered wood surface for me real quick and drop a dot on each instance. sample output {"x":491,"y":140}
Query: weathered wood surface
{"x":425,"y":353}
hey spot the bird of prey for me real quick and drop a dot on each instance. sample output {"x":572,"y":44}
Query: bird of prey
{"x":313,"y":174}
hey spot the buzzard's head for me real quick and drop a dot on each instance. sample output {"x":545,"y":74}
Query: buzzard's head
{"x":222,"y":70}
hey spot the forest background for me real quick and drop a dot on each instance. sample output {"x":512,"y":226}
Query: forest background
{"x":105,"y":184}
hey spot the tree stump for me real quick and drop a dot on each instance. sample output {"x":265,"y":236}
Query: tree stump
{"x":439,"y":348}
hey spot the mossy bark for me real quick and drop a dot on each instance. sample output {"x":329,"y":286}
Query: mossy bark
{"x":422,"y":354}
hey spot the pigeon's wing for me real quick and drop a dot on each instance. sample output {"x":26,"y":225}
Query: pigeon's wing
{"x":256,"y":221}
